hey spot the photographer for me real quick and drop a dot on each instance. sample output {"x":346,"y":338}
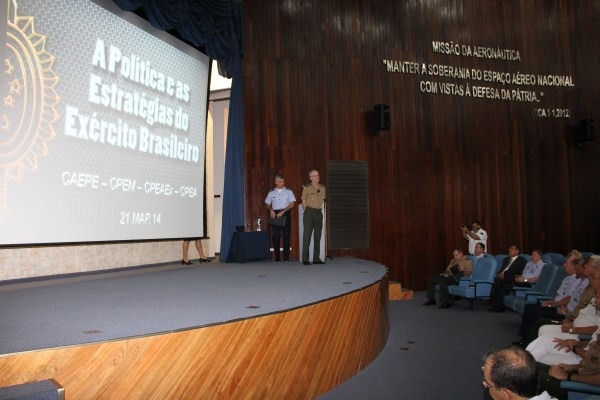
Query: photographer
{"x":475,"y":235}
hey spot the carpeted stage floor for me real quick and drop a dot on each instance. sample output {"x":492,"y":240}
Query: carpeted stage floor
{"x":430,"y":353}
{"x":101,"y":307}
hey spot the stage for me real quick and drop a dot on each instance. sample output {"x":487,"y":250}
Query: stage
{"x":216,"y":330}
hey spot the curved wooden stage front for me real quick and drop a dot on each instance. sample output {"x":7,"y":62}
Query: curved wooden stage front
{"x":293,"y":354}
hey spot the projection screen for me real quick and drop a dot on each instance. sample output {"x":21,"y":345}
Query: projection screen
{"x":102,"y":129}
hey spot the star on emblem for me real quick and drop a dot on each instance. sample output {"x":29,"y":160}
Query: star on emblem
{"x":4,"y":123}
{"x":9,"y":67}
{"x":15,"y":86}
{"x":9,"y":101}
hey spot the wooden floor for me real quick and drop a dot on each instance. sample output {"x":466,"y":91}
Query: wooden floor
{"x":296,"y":354}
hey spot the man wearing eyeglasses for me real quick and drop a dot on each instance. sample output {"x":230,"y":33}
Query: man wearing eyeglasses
{"x":511,"y":373}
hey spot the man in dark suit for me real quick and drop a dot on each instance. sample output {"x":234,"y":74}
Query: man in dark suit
{"x":512,"y":266}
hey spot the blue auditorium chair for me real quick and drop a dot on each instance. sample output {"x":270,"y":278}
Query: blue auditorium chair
{"x":465,"y":281}
{"x":587,"y":254}
{"x":533,"y":296}
{"x":581,"y":391}
{"x":545,"y":288}
{"x":499,"y":259}
{"x":472,"y":258}
{"x":494,"y":261}
{"x":480,"y":284}
{"x":556,"y":258}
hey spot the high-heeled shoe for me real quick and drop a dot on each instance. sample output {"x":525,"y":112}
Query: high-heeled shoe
{"x":186,"y":262}
{"x":204,"y":260}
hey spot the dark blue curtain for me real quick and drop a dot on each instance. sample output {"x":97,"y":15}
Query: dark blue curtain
{"x":233,"y":189}
{"x":214,"y":25}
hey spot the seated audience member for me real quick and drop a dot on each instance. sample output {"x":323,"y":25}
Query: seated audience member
{"x":554,"y":346}
{"x":533,"y":269}
{"x":512,"y":266}
{"x":589,"y":270}
{"x":186,"y":246}
{"x":479,"y":250}
{"x":459,"y":266}
{"x":586,"y":371}
{"x":566,"y":300}
{"x":511,"y":373}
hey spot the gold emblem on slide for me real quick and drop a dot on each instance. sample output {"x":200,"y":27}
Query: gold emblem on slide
{"x":28,"y":99}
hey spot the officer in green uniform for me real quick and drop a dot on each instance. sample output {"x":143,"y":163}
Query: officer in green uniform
{"x":313,"y":197}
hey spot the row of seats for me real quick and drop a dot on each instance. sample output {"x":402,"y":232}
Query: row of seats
{"x":479,"y":284}
{"x":545,"y":288}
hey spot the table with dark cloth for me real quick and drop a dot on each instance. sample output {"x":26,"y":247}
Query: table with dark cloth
{"x":249,"y":246}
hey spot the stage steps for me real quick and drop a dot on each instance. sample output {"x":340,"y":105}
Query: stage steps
{"x":396,"y":292}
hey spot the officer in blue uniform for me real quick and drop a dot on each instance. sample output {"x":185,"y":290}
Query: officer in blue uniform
{"x":279,"y":202}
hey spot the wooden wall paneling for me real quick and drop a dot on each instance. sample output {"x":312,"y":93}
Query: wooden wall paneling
{"x":331,"y":54}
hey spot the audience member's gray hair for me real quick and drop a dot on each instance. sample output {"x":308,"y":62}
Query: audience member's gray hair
{"x":595,"y":261}
{"x":513,"y":368}
{"x":574,"y":253}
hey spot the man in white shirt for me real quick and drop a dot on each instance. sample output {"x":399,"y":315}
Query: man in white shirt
{"x":558,"y":344}
{"x":533,"y":269}
{"x":475,"y":235}
{"x":567,"y":296}
{"x":279,"y":202}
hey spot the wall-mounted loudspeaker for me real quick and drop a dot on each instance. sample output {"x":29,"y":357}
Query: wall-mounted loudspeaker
{"x":381,"y":117}
{"x":585,"y":131}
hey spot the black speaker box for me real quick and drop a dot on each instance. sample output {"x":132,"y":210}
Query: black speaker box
{"x":382,"y":117}
{"x":586,"y":131}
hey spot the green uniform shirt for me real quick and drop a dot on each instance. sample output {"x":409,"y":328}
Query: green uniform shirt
{"x":314,"y":196}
